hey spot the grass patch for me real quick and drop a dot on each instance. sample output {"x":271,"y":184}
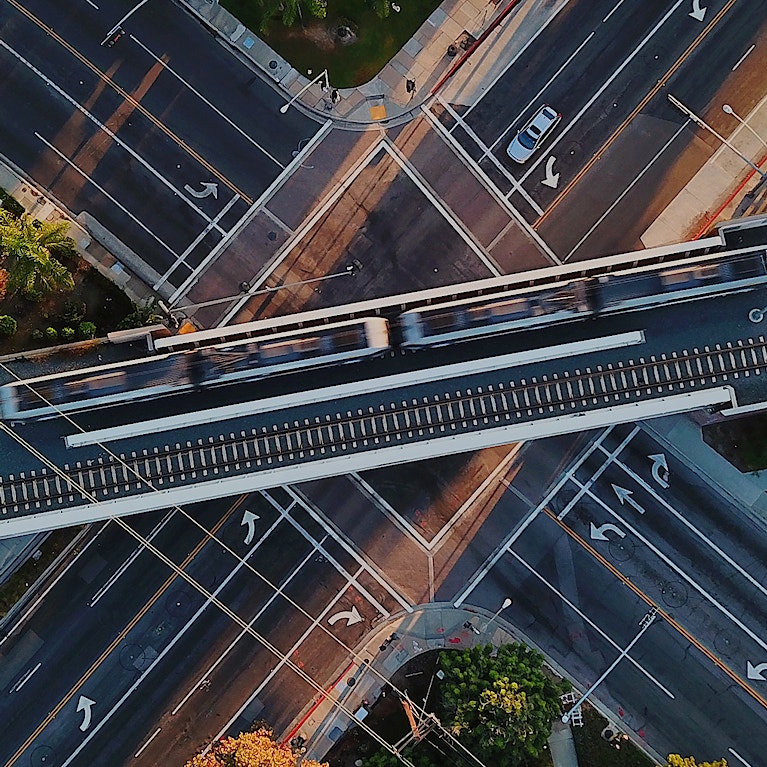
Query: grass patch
{"x":314,"y":45}
{"x":19,"y":583}
{"x":593,"y":751}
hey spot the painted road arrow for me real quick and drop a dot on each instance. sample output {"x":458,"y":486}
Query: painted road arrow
{"x":624,"y":496}
{"x":659,"y":462}
{"x":207,"y":189}
{"x":85,"y":704}
{"x":352,"y":616}
{"x":598,"y":533}
{"x":697,"y":12}
{"x":249,"y":519}
{"x":552,"y":179}
{"x":756,"y":672}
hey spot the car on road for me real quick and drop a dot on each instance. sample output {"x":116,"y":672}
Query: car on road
{"x":524,"y":144}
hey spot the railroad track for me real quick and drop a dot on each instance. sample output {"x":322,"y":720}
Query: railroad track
{"x":387,"y":423}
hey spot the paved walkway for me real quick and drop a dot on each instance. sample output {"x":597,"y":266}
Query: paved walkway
{"x":386,"y":649}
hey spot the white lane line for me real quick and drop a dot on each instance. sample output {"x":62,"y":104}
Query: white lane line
{"x":502,"y":169}
{"x":53,"y":583}
{"x":591,"y":623}
{"x":177,"y":638}
{"x":628,"y":188}
{"x":76,"y":104}
{"x":615,"y":8}
{"x":611,"y":456}
{"x":537,"y":96}
{"x":288,"y":654}
{"x":244,"y":632}
{"x":563,"y":133}
{"x":480,"y":174}
{"x":744,"y":57}
{"x":106,"y":194}
{"x":678,"y":570}
{"x":694,"y":530}
{"x":208,"y":103}
{"x":130,"y":559}
{"x":371,"y":570}
{"x":251,"y":212}
{"x":182,"y":258}
{"x":514,"y":58}
{"x":148,"y":741}
{"x":451,"y":218}
{"x":90,"y":2}
{"x":508,"y":542}
{"x":26,"y":678}
{"x":738,"y":756}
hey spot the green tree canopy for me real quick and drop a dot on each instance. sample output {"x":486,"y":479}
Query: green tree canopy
{"x":290,"y":11}
{"x":500,"y":705}
{"x":28,"y":246}
{"x":674,"y":760}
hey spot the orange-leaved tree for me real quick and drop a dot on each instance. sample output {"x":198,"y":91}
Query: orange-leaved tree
{"x":251,"y":749}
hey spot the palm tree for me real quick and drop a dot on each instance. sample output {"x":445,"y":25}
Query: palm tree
{"x":28,"y":244}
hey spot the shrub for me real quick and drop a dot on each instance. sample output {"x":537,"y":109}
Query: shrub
{"x":51,"y":334}
{"x":11,"y":204}
{"x":74,"y":311}
{"x":3,"y":283}
{"x":8,"y":326}
{"x":37,"y":335}
{"x":86,"y":331}
{"x":67,"y":334}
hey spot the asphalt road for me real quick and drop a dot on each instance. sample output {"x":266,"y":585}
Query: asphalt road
{"x":131,"y":134}
{"x":683,"y":548}
{"x":621,"y":151}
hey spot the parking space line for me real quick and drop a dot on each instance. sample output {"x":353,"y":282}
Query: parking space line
{"x":208,"y":103}
{"x":678,"y":570}
{"x":136,"y":156}
{"x":590,"y":622}
{"x":106,"y":194}
{"x":694,"y":530}
{"x":509,"y":541}
{"x":244,"y":631}
{"x":611,"y":456}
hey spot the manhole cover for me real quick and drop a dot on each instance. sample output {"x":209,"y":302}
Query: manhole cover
{"x":43,"y":756}
{"x":726,"y":644}
{"x":178,"y":603}
{"x":674,"y":594}
{"x":622,"y":550}
{"x":132,"y":657}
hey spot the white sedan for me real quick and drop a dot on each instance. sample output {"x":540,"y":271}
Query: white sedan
{"x":524,"y":144}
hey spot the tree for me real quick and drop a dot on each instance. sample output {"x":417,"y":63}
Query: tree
{"x":674,"y":760}
{"x":250,"y":749}
{"x":147,"y":313}
{"x":289,"y":11}
{"x":501,"y":706}
{"x":28,"y":246}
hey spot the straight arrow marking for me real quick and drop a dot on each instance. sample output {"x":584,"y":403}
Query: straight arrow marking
{"x":624,"y":496}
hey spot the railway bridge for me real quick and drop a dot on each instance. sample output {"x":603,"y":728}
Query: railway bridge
{"x":694,"y":341}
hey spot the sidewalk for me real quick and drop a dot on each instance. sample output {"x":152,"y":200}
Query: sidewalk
{"x":424,"y":59}
{"x":386,"y":649}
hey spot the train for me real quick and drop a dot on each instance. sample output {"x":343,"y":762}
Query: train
{"x":175,"y":373}
{"x":251,"y":352}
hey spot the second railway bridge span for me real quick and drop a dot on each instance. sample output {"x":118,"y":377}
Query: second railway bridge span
{"x":412,"y":377}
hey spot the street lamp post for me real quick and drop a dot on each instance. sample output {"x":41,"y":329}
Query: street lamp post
{"x":644,"y":624}
{"x":284,"y":108}
{"x":727,"y":109}
{"x":116,"y":28}
{"x":699,"y":121}
{"x":508,"y":602}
